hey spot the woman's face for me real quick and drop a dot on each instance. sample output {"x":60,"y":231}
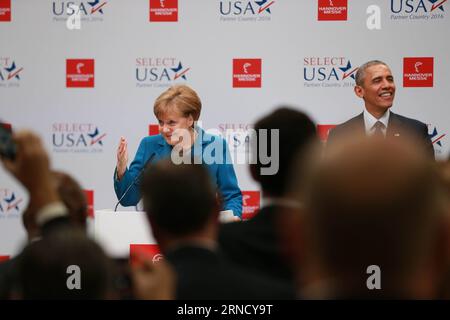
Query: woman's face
{"x":171,"y":121}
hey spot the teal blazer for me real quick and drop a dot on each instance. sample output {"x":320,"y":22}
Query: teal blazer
{"x":219,"y":166}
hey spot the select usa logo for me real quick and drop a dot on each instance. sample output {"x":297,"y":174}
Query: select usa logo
{"x":247,"y":73}
{"x":436,"y":138}
{"x":246,"y":11}
{"x":332,"y":10}
{"x":237,"y":137}
{"x":10,"y":73}
{"x":328,"y":72}
{"x":80,"y":73}
{"x":10,"y":203}
{"x":5,"y":10}
{"x":417,"y":10}
{"x":163,"y":11}
{"x":160,"y":72}
{"x":89,"y":11}
{"x":77,"y":138}
{"x":418,"y":72}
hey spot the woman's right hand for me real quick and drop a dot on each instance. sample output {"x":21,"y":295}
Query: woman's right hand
{"x":122,"y":157}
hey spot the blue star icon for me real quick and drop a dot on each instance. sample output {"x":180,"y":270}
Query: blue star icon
{"x":11,"y":69}
{"x":93,"y":4}
{"x":93,"y":135}
{"x":260,"y":4}
{"x":440,"y":5}
{"x":433,"y":135}
{"x":346,"y":68}
{"x":179,"y":68}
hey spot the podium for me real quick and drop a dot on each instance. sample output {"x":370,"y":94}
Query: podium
{"x":116,"y":231}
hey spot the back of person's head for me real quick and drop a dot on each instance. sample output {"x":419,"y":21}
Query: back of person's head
{"x":179,"y":199}
{"x":73,"y":197}
{"x":371,"y":202}
{"x":296,"y":132}
{"x":64,"y":265}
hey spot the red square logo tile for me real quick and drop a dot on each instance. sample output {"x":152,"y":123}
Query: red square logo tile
{"x":153,"y":129}
{"x":323,"y":130}
{"x":5,"y":10}
{"x":6,"y":126}
{"x":247,"y":73}
{"x":140,"y":252}
{"x":80,"y":73}
{"x":90,"y":202}
{"x":4,"y":258}
{"x":332,"y":10}
{"x":250,"y":204}
{"x":418,"y":72}
{"x":163,"y":10}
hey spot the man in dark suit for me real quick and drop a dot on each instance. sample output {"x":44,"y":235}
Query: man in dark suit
{"x":180,"y":202}
{"x":375,"y":85}
{"x":256,"y":243}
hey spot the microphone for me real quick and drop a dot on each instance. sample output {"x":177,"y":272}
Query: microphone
{"x":134,"y":180}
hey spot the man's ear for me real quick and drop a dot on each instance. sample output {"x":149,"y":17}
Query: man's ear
{"x":359,"y":91}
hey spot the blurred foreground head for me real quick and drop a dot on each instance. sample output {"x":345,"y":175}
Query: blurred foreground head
{"x":180,"y":202}
{"x":296,"y":131}
{"x":64,"y":265}
{"x":73,"y":197}
{"x":373,"y":202}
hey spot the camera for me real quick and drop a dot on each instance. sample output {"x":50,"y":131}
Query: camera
{"x":7,"y":145}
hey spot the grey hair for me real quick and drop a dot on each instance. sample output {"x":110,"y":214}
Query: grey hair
{"x":361,"y":73}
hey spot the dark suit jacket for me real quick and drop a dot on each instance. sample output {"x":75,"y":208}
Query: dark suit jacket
{"x":255,"y":244}
{"x":397,"y":125}
{"x":205,"y":274}
{"x":8,"y":273}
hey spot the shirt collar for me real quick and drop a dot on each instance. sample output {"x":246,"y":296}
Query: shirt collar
{"x":370,"y":120}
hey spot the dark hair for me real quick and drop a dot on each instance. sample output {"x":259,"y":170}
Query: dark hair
{"x":296,"y":131}
{"x":361,"y":73}
{"x":43,"y":267}
{"x":178,"y":198}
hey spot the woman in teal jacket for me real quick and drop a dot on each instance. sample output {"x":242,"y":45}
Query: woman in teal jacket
{"x":177,"y":110}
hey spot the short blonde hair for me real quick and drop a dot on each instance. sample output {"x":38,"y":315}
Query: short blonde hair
{"x":179,"y":97}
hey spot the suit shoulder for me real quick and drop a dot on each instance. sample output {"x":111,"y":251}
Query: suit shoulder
{"x":410,"y":121}
{"x":349,"y":124}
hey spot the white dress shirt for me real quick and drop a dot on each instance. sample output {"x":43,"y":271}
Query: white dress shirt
{"x":370,"y":120}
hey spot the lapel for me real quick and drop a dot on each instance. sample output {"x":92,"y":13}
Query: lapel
{"x":395,"y":125}
{"x":163,"y":149}
{"x":358,"y":124}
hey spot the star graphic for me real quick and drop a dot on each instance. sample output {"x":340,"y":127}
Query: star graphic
{"x":94,"y":3}
{"x":11,"y":200}
{"x":348,"y":67}
{"x":11,"y":69}
{"x":261,"y":8}
{"x":433,"y":135}
{"x":93,"y":135}
{"x":182,"y":75}
{"x":439,"y":5}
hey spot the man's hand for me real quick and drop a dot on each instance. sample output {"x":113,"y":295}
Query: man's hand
{"x":32,"y":168}
{"x":153,"y":281}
